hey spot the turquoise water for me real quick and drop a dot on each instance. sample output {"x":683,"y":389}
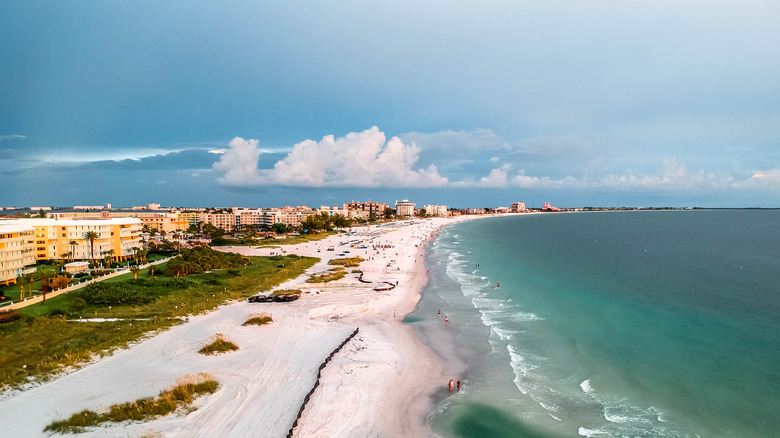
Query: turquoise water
{"x":607,"y":324}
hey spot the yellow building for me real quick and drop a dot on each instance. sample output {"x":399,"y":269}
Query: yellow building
{"x":162,"y":221}
{"x":67,"y":239}
{"x":17,"y":250}
{"x":192,"y":217}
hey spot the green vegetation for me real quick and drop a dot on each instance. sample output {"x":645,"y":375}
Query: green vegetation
{"x":270,"y":241}
{"x":203,"y":258}
{"x":258,"y":319}
{"x":219,"y":344}
{"x":349,"y":262}
{"x":186,"y":389}
{"x":43,"y":340}
{"x":332,"y":275}
{"x":286,"y":292}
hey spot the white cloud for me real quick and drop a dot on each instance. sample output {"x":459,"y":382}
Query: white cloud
{"x":368,"y":159}
{"x":12,"y":137}
{"x":238,"y":165}
{"x":363,"y":159}
{"x":458,"y":141}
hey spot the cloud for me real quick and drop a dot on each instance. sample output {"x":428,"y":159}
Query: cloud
{"x":368,"y":159}
{"x":671,"y":177}
{"x":238,"y":165}
{"x":12,"y":137}
{"x":363,"y":159}
{"x":567,"y":145}
{"x":457,"y":141}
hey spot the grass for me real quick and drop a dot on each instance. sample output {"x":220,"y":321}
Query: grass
{"x":279,"y":292}
{"x":219,"y":344}
{"x":328,"y":276}
{"x":349,"y":262}
{"x":183,"y":393}
{"x":38,"y":346}
{"x":294,"y":240}
{"x":258,"y":319}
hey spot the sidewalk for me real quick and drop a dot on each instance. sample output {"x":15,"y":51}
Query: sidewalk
{"x":50,"y":295}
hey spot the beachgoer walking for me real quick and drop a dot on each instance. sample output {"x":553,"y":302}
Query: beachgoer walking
{"x":458,"y":384}
{"x":451,"y":384}
{"x":446,"y":320}
{"x":439,"y":312}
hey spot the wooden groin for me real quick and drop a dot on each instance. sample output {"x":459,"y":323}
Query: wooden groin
{"x":317,"y":382}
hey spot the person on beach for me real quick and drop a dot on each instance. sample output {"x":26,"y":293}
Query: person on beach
{"x":458,"y":384}
{"x":439,"y":312}
{"x":451,"y":384}
{"x":446,"y":320}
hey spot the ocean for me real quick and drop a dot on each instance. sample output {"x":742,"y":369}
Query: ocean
{"x":653,"y":323}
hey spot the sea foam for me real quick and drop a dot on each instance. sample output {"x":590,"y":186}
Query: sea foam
{"x":585,"y":385}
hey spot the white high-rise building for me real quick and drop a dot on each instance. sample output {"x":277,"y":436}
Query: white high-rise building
{"x":404,"y":208}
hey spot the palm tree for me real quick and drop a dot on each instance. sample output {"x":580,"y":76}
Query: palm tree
{"x":45,"y":275}
{"x":108,"y":256}
{"x":135,"y":270}
{"x":91,"y":236}
{"x":27,"y":278}
{"x":73,"y":249}
{"x":142,"y":253}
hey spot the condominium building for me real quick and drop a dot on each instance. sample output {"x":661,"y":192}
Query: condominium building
{"x":226,"y":221}
{"x":364,"y":210}
{"x":436,"y":210}
{"x":518,"y":207}
{"x":404,"y":208}
{"x":17,"y":250}
{"x":192,"y":217}
{"x":67,"y":238}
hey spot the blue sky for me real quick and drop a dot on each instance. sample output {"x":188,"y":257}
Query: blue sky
{"x":579,"y":103}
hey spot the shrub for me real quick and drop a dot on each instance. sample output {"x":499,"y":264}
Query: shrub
{"x":327,"y":277}
{"x":78,"y":303}
{"x":218,"y":345}
{"x":178,"y":283}
{"x":115,"y":294}
{"x":10,"y":316}
{"x":258,"y":319}
{"x":350,"y":262}
{"x":57,"y":313}
{"x":286,"y":292}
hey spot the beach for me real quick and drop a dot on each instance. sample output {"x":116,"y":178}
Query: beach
{"x":379,"y":384}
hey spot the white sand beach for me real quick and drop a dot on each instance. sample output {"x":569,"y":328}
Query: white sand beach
{"x":378,"y":385}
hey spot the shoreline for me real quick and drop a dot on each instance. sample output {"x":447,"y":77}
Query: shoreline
{"x":365,"y":390}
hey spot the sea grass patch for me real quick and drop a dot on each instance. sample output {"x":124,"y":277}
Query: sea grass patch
{"x":187,"y":389}
{"x":218,"y":344}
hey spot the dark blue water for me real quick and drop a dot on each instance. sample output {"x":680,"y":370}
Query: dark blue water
{"x":609,"y":324}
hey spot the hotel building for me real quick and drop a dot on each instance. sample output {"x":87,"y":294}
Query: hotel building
{"x":436,"y":210}
{"x":404,"y":208}
{"x":66,"y":238}
{"x":17,"y":250}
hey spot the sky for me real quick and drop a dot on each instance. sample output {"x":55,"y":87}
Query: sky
{"x":464,"y":103}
